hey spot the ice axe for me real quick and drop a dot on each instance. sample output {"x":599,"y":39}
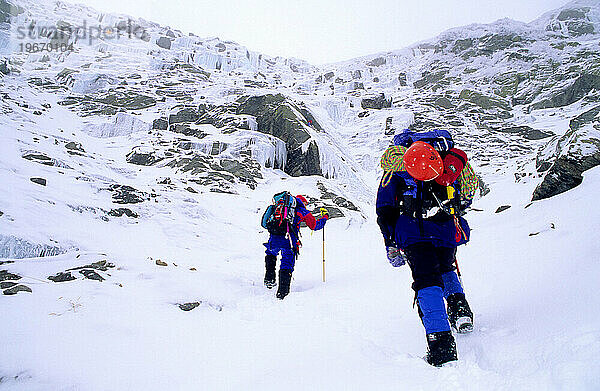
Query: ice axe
{"x":458,"y":272}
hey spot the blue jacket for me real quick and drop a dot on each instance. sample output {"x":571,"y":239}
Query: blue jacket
{"x":404,"y":230}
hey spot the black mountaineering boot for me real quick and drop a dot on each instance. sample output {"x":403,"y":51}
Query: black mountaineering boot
{"x":442,"y":348}
{"x":270,"y":262}
{"x":285,"y":277}
{"x":459,"y":313}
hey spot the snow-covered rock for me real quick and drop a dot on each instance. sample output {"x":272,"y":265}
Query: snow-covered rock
{"x":122,"y":125}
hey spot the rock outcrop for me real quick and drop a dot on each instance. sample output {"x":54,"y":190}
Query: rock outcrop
{"x":278,"y":116}
{"x":565,"y":158}
{"x":580,"y":87}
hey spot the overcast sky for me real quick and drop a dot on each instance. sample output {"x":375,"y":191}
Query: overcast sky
{"x":324,"y":31}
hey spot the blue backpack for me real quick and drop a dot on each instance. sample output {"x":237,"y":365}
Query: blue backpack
{"x":278,"y":219}
{"x":439,"y":139}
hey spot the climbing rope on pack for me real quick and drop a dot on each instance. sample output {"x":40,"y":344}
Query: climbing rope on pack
{"x":391,"y":162}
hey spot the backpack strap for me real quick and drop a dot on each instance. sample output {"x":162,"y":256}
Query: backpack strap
{"x":419,"y":206}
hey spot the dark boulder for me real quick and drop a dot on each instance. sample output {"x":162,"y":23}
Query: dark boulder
{"x":40,"y":158}
{"x":102,"y":265}
{"x":129,"y":100}
{"x":564,"y":175}
{"x":444,"y":103}
{"x":218,"y":174}
{"x":490,"y":44}
{"x":527,"y":132}
{"x":4,"y":70}
{"x":564,"y":159}
{"x":402,"y":79}
{"x":62,"y":277}
{"x":16,"y":289}
{"x":160,"y":124}
{"x":119,"y":212}
{"x":245,"y":170}
{"x":502,"y":208}
{"x":376,"y":102}
{"x":461,"y":45}
{"x":39,"y":181}
{"x":91,"y":275}
{"x":5,"y":275}
{"x":123,"y":194}
{"x":140,"y":158}
{"x":188,"y":114}
{"x":358,"y":85}
{"x":339,"y":202}
{"x":189,"y":306}
{"x":164,"y":42}
{"x":377,"y":62}
{"x":74,"y":148}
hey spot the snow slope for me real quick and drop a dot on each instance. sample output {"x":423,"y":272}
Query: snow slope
{"x":530,"y":272}
{"x":533,"y":298}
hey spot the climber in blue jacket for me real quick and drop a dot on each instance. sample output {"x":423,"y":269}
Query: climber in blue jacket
{"x":419,"y":204}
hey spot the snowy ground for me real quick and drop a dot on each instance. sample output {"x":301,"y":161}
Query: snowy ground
{"x":533,"y":298}
{"x":530,"y":272}
{"x":533,"y":295}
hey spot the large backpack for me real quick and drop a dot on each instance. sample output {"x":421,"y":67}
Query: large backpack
{"x":439,"y":198}
{"x":278,"y":219}
{"x":439,"y":139}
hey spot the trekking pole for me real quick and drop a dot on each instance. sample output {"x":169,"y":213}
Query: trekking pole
{"x":323,"y":254}
{"x":323,"y":213}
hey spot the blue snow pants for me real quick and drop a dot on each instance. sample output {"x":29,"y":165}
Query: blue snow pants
{"x":279,"y":243}
{"x":434,"y":279}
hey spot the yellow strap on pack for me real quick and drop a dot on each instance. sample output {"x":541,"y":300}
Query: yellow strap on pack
{"x":450,"y":191}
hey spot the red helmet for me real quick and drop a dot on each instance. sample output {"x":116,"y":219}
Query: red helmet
{"x":301,"y":198}
{"x":454,"y":162}
{"x":423,"y":162}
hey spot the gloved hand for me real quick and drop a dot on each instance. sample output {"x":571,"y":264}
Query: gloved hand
{"x":324,"y":213}
{"x":395,"y":256}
